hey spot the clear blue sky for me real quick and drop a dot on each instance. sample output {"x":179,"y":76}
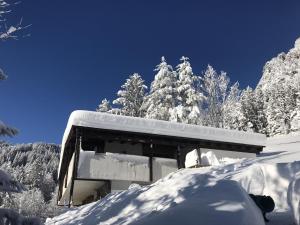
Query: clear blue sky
{"x":80,"y":52}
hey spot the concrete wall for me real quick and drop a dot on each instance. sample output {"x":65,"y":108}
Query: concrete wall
{"x":162,"y":167}
{"x":120,"y":185}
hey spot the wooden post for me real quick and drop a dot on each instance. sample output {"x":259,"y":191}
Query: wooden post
{"x":199,"y":155}
{"x":151,"y":162}
{"x":178,"y":157}
{"x":75,"y":163}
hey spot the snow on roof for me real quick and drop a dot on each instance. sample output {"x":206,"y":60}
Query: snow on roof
{"x":158,"y":127}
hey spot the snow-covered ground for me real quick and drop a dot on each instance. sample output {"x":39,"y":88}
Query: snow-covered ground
{"x":208,"y":195}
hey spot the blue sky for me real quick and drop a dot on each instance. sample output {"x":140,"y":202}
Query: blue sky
{"x":80,"y":52}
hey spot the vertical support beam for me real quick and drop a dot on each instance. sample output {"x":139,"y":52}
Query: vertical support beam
{"x":199,"y":156}
{"x":178,"y":154}
{"x":75,"y":163}
{"x":151,"y":162}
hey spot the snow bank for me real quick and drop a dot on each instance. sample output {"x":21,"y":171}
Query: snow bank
{"x":268,"y":179}
{"x":192,"y":159}
{"x":294,"y":198}
{"x":207,"y":195}
{"x":184,"y":197}
{"x":207,"y":159}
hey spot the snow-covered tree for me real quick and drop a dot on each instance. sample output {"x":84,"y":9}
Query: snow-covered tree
{"x":4,"y":129}
{"x":280,"y":106}
{"x":104,"y":106}
{"x":189,"y":96}
{"x":279,"y":87}
{"x":40,"y":183}
{"x":131,"y":97}
{"x":252,"y":114}
{"x":247,"y":111}
{"x":295,"y":115}
{"x":162,"y":96}
{"x":231,"y":108}
{"x":9,"y":31}
{"x":215,"y":89}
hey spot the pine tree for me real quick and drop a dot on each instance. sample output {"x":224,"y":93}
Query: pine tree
{"x":162,"y":97}
{"x":104,"y":106}
{"x":131,"y":97}
{"x":248,"y":110}
{"x":215,"y":89}
{"x":231,"y":108}
{"x":280,"y":106}
{"x":4,"y":129}
{"x":295,"y":115}
{"x":189,"y":95}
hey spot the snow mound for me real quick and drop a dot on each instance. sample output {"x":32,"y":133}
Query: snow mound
{"x":192,"y":159}
{"x":207,"y":195}
{"x":294,"y":198}
{"x":268,"y":179}
{"x":209,"y":159}
{"x":184,"y":197}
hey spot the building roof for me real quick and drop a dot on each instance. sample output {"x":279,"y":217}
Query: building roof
{"x":108,"y":121}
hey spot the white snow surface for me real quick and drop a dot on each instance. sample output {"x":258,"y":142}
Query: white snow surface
{"x":209,"y":195}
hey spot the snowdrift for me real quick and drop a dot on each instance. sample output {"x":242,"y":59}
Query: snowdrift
{"x":184,"y":197}
{"x":294,"y":198}
{"x":209,"y":195}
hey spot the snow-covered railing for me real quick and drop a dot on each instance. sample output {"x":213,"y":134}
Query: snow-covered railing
{"x":113,"y":166}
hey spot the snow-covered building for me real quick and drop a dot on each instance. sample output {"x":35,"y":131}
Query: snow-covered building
{"x":103,"y":153}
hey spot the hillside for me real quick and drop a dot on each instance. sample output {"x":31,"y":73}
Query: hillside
{"x":34,"y":166}
{"x":208,"y":195}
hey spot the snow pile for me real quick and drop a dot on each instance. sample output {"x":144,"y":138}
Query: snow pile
{"x":294,"y":198}
{"x":209,"y":159}
{"x":207,"y":195}
{"x":185,"y":197}
{"x":192,"y":159}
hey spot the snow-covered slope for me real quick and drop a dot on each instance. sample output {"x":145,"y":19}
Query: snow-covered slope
{"x":209,"y":195}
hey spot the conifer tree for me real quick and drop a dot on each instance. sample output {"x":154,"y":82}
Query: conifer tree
{"x":189,"y":95}
{"x":162,"y":96}
{"x":104,"y":106}
{"x":231,"y":108}
{"x":215,"y":90}
{"x":131,"y":97}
